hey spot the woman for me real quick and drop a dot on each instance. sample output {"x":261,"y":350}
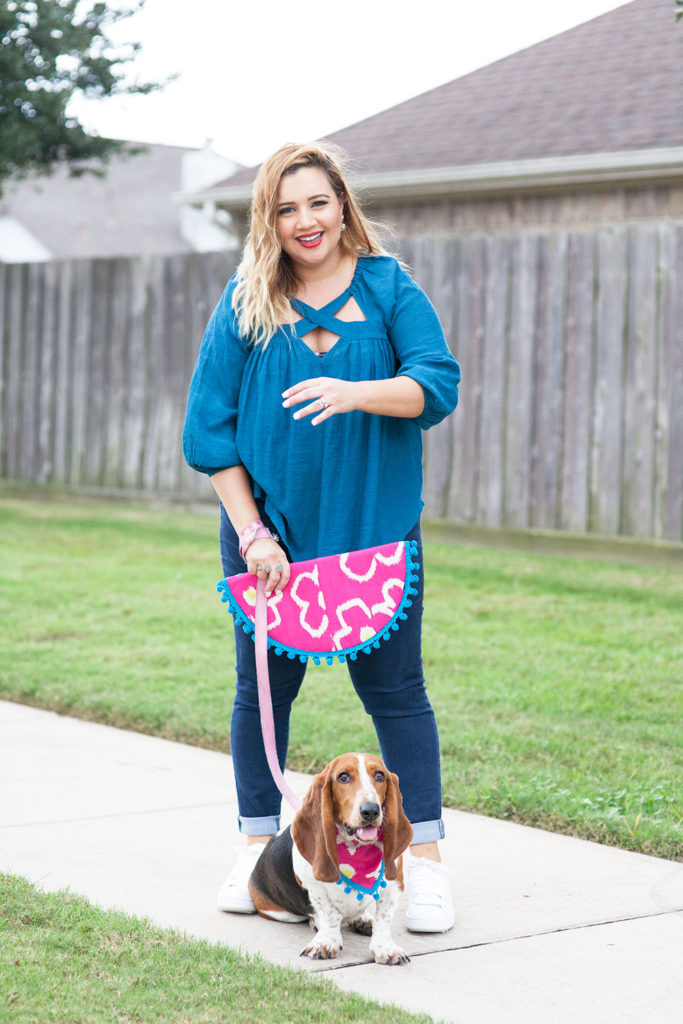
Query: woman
{"x":319,"y":368}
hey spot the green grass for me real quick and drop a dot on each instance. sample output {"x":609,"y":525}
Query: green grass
{"x":63,"y":960}
{"x":556,"y":681}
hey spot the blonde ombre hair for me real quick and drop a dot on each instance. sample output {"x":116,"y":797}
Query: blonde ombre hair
{"x":265,"y":277}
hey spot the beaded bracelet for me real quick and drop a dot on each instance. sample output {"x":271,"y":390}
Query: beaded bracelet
{"x":253,"y":531}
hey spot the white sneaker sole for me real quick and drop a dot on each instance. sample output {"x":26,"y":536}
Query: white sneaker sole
{"x":236,"y":906}
{"x":429,"y":927}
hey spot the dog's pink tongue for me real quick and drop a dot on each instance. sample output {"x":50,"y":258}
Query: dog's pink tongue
{"x":367,"y":834}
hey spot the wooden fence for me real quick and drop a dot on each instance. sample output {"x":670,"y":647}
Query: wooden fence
{"x":571,"y":412}
{"x":96,"y":360}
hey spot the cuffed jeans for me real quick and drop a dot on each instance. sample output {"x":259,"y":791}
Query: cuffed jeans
{"x":390,"y":683}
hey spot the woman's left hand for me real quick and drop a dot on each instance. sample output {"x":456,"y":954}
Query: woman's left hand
{"x":326,"y":395}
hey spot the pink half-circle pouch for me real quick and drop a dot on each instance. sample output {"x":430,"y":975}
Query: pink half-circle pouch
{"x":335,"y":606}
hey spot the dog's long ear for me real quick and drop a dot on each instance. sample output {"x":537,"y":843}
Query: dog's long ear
{"x":313,"y":829}
{"x":397,"y":829}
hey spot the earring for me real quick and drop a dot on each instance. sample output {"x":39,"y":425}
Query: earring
{"x":343,"y":225}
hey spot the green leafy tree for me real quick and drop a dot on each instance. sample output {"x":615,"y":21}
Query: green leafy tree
{"x":49,"y":51}
{"x":679,"y":12}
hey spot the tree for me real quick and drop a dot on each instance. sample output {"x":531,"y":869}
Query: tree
{"x":679,"y":12}
{"x":50,"y":50}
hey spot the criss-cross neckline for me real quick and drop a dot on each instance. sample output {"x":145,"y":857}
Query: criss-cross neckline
{"x":312,"y":318}
{"x":323,"y":316}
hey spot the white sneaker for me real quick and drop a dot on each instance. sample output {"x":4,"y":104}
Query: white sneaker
{"x":430,"y":904}
{"x":233,"y":895}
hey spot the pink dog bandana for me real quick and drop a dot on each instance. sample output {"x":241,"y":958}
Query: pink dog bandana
{"x":332,"y":607}
{"x":362,"y":869}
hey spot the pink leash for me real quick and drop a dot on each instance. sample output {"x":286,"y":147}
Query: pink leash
{"x":264,"y":695}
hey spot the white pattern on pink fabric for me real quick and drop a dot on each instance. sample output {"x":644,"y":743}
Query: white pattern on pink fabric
{"x":346,"y":629}
{"x":304,"y":605}
{"x":377,"y":557}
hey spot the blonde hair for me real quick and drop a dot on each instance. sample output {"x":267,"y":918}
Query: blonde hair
{"x":265,"y":277}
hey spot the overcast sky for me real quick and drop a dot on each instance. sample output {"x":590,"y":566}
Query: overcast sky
{"x":256,"y":74}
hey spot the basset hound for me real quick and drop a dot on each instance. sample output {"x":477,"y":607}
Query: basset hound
{"x":340,"y":860}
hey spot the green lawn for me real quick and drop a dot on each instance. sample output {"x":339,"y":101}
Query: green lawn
{"x":63,"y":960}
{"x":556,"y":681}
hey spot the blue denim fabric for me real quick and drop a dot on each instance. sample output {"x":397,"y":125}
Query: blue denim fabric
{"x":390,"y":684}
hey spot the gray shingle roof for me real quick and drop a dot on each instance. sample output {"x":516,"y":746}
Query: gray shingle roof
{"x":611,"y":84}
{"x":129,"y":211}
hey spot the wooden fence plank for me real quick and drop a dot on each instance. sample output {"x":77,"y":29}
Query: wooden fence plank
{"x":578,"y":391}
{"x":45,"y":390}
{"x":159,"y":365}
{"x":134,"y":432}
{"x":640,"y":385}
{"x":78,"y":410}
{"x":154,"y":330}
{"x":117,"y":382}
{"x":438,"y":440}
{"x":548,"y":392}
{"x":30,"y":379}
{"x":607,"y":432}
{"x":671,"y":378}
{"x":178,"y":325}
{"x":520,"y":381}
{"x":494,"y":374}
{"x":99,"y":372}
{"x":462,"y":500}
{"x":665,"y":298}
{"x":16,"y":297}
{"x":63,"y":373}
{"x":200,"y":306}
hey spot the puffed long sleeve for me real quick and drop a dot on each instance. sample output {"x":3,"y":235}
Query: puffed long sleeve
{"x":422,"y":351}
{"x":211,"y":416}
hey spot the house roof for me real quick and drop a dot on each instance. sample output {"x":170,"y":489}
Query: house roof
{"x":128,"y":211}
{"x":607,"y":86}
{"x":604,"y":86}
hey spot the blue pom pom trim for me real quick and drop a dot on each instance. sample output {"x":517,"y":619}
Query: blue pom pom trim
{"x":328,"y":657}
{"x":361,"y":890}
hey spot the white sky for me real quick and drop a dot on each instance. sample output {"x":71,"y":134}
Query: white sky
{"x":257,"y":73}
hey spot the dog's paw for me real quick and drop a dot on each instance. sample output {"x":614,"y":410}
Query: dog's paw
{"x":322,"y":950}
{"x":362,"y":925}
{"x":389,"y":954}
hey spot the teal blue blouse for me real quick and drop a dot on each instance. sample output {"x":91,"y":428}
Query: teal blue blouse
{"x":354,"y":480}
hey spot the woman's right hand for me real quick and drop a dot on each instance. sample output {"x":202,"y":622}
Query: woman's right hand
{"x":268,"y":561}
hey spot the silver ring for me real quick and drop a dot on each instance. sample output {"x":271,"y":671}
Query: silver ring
{"x":279,"y":567}
{"x":259,"y":568}
{"x":323,"y":402}
{"x":268,"y":568}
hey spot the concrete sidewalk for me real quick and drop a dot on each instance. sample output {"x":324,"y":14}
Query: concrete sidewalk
{"x":549,"y":929}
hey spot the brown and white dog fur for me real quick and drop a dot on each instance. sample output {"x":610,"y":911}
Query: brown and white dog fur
{"x":295,"y":877}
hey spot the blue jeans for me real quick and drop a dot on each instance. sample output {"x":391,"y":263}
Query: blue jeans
{"x":390,"y":683}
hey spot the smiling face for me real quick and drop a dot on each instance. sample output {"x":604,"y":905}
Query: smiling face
{"x":309,"y":218}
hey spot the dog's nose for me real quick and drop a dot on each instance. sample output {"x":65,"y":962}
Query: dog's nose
{"x":369,"y":812}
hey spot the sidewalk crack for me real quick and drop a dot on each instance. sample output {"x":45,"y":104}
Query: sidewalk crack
{"x":511,"y":938}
